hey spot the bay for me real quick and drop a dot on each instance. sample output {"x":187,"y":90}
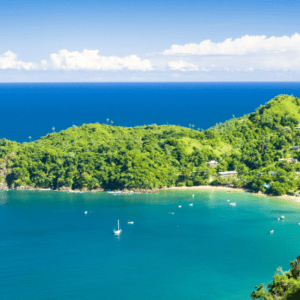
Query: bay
{"x":51,"y":249}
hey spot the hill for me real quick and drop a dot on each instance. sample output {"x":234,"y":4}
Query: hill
{"x":100,"y":156}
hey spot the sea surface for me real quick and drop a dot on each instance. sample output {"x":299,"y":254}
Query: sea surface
{"x":33,"y":109}
{"x":51,"y":249}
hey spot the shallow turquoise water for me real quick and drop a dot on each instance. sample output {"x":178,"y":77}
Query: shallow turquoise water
{"x":51,"y":250}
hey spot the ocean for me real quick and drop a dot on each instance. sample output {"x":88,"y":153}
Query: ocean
{"x":51,"y":249}
{"x":33,"y":109}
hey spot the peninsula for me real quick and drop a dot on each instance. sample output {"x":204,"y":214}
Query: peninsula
{"x":259,"y":152}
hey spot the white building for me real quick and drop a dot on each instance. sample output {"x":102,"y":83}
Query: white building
{"x":212,"y":164}
{"x":228,"y":173}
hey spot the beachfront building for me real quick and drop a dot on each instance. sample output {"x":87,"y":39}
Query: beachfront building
{"x":286,"y":128}
{"x":212,"y":164}
{"x":227,"y":173}
{"x":297,"y":148}
{"x":289,"y":160}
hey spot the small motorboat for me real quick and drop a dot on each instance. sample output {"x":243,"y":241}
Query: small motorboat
{"x":193,"y":196}
{"x":191,"y":204}
{"x":232,"y":204}
{"x":130,"y":222}
{"x":272,"y":231}
{"x":179,"y":206}
{"x":118,"y":231}
{"x":171,"y":213}
{"x":228,"y":200}
{"x":282,"y":217}
{"x":86,"y":212}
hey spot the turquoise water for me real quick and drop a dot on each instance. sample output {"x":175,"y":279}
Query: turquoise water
{"x":51,"y":250}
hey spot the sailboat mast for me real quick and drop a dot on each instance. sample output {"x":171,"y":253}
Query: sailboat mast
{"x":118,"y":225}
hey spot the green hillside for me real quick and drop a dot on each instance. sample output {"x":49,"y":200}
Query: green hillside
{"x":285,"y":285}
{"x":100,"y":156}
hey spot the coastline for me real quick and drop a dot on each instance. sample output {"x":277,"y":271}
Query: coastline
{"x":157,"y":190}
{"x":231,"y":189}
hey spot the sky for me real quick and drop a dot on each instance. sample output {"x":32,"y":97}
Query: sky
{"x":149,"y":41}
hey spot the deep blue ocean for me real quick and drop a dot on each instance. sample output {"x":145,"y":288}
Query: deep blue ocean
{"x":33,"y":109}
{"x":51,"y":249}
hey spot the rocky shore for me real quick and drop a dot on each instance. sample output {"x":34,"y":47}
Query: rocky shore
{"x":5,"y":187}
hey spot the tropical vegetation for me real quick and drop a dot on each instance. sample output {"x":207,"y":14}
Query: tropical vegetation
{"x":258,"y":146}
{"x":285,"y":285}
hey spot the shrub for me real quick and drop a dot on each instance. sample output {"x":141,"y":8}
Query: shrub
{"x":238,"y":183}
{"x":181,"y":183}
{"x":189,"y":183}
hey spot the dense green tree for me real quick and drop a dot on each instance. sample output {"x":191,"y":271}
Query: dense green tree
{"x":285,"y":285}
{"x":109,"y":157}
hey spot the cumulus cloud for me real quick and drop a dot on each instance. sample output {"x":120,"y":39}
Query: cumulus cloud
{"x":8,"y":60}
{"x":88,"y":60}
{"x":182,"y":66}
{"x":91,"y":60}
{"x":240,"y":46}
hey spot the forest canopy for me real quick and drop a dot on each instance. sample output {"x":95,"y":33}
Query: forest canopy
{"x":258,"y":146}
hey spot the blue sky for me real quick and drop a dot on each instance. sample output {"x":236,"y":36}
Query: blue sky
{"x":132,"y":40}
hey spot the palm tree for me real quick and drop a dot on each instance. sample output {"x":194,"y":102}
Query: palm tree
{"x":53,"y":128}
{"x":107,"y":120}
{"x":193,"y":125}
{"x":112,"y":122}
{"x":29,"y":138}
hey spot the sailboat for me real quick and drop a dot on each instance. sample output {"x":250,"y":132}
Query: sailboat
{"x":118,"y":231}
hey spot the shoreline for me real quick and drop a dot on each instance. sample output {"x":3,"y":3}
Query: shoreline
{"x":157,"y":190}
{"x":231,"y":189}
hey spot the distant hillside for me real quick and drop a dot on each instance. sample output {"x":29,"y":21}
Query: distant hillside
{"x":100,"y":156}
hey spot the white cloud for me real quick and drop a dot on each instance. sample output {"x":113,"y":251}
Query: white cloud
{"x":182,"y":66}
{"x":91,"y":60}
{"x":8,"y":60}
{"x":240,"y":46}
{"x":86,"y":60}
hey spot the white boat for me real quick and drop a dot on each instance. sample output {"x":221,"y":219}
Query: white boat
{"x":191,"y":204}
{"x":171,"y":213}
{"x":130,"y":222}
{"x":228,"y":200}
{"x":193,"y":196}
{"x":179,"y":206}
{"x":299,"y":224}
{"x":282,"y":217}
{"x":232,"y":204}
{"x":278,"y":219}
{"x":86,"y":212}
{"x":272,"y":231}
{"x":118,"y":231}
